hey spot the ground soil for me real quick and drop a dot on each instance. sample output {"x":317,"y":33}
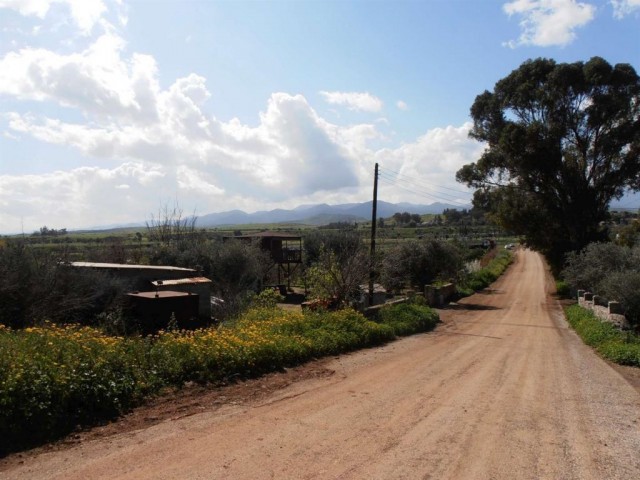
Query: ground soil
{"x":502,"y":389}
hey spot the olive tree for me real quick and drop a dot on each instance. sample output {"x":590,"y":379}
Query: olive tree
{"x":420,"y":262}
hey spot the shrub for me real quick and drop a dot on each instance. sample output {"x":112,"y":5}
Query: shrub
{"x":36,"y":286}
{"x":586,"y":269}
{"x":625,"y":288}
{"x":612,"y":271}
{"x":420,"y":262}
{"x":562,"y":289}
{"x":338,"y":278}
{"x":268,"y":298}
{"x":409,"y":318}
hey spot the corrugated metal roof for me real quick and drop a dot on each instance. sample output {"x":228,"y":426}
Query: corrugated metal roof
{"x":126,"y":266}
{"x":160,"y":294}
{"x":182,"y":281}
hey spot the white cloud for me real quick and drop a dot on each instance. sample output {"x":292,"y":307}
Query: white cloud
{"x":622,"y":8}
{"x":427,"y":167}
{"x":38,"y":8}
{"x":84,"y":13}
{"x":402,"y":105}
{"x":152,"y":143}
{"x":96,"y":81}
{"x":79,"y":197}
{"x":354,"y":100}
{"x":548,"y":22}
{"x":193,"y":180}
{"x":127,"y":117}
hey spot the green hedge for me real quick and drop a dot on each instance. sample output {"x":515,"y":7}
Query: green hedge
{"x":619,"y":347}
{"x":486,"y":276}
{"x":55,"y":378}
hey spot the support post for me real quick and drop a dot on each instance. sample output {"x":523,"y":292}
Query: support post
{"x":374,"y":213}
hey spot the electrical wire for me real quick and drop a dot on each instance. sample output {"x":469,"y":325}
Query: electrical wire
{"x":390,"y":177}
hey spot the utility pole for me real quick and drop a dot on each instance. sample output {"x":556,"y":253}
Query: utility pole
{"x":374,"y":213}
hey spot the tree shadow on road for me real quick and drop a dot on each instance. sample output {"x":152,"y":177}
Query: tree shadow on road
{"x":469,"y":306}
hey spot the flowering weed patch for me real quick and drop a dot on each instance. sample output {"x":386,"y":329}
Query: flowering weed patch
{"x":53,"y":378}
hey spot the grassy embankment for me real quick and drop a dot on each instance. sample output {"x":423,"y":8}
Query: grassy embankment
{"x":53,"y":378}
{"x":484,"y":277}
{"x":619,"y":347}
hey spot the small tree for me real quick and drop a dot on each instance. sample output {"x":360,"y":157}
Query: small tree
{"x":338,"y":278}
{"x":341,"y":243}
{"x":170,"y":226}
{"x":339,"y":265}
{"x":420,"y":262}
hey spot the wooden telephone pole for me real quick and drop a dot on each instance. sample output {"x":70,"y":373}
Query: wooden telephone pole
{"x":374,"y":212}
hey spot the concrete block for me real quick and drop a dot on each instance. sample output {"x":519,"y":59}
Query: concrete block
{"x":615,"y":308}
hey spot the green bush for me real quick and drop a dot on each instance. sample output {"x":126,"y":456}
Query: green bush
{"x":611,"y":343}
{"x":562,"y":289}
{"x":420,"y":262}
{"x":408,"y":318}
{"x":484,"y":277}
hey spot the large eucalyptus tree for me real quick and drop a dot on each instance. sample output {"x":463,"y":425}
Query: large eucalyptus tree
{"x":563,"y":140}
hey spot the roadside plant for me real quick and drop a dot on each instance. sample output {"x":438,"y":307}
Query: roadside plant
{"x":419,"y":263}
{"x":338,"y":278}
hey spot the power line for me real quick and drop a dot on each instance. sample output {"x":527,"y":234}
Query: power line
{"x":422,"y":194}
{"x":413,"y":185}
{"x":430,"y":185}
{"x":418,"y":188}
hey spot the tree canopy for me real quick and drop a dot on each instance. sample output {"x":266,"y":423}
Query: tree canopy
{"x":563,"y":140}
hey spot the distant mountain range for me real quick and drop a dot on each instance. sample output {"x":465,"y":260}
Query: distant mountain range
{"x":321,"y":214}
{"x":316,"y":215}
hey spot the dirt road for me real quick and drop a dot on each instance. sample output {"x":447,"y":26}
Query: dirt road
{"x":502,"y":390}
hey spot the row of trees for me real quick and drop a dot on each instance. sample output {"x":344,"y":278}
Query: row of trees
{"x":49,"y":232}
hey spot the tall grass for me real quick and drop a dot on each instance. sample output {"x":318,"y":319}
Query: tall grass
{"x":54,"y":378}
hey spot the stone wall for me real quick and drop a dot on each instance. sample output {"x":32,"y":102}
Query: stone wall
{"x":439,"y":296}
{"x":605,"y":311}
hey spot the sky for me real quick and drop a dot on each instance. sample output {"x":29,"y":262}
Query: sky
{"x":112,"y":110}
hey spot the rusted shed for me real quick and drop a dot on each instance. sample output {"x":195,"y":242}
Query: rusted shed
{"x":139,"y":276}
{"x":200,"y":286}
{"x":154,"y":309}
